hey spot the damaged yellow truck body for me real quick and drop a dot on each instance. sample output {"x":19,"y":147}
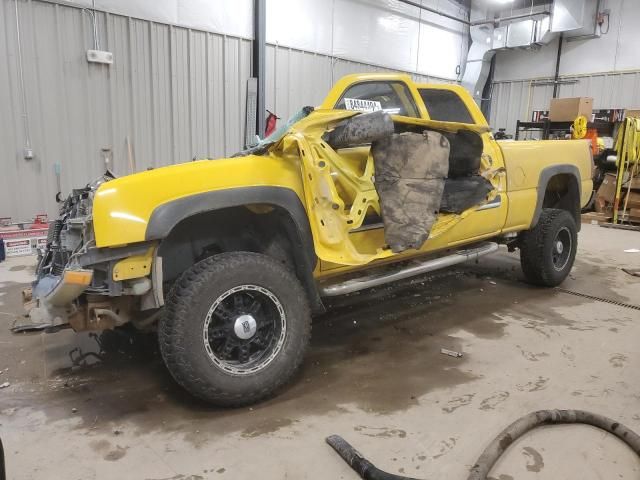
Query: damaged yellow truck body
{"x":227,"y":258}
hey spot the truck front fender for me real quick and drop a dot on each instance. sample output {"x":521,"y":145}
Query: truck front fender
{"x":165,"y":217}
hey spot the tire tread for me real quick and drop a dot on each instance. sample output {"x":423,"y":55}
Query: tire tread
{"x":171,"y":327}
{"x":532,"y":247}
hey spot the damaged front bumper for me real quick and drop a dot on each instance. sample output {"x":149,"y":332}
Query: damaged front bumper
{"x":85,"y":287}
{"x":49,"y":303}
{"x":56,"y":302}
{"x":67,"y":300}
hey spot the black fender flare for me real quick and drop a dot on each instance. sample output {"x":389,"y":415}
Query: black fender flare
{"x":166,"y":216}
{"x":543,"y":181}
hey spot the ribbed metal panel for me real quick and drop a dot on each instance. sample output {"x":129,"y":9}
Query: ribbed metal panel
{"x":172,"y":94}
{"x":515,"y":100}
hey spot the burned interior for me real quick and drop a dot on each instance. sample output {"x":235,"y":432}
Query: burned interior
{"x":419,"y":173}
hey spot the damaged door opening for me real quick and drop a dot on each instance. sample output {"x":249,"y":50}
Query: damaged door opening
{"x":418,"y":174}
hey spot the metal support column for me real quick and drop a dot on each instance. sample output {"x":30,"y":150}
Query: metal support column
{"x":557,"y":75}
{"x":259,"y":60}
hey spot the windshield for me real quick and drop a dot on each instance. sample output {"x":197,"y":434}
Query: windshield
{"x":276,"y":136}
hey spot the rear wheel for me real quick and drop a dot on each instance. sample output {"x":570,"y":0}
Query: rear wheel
{"x":235,"y":329}
{"x":548,"y":250}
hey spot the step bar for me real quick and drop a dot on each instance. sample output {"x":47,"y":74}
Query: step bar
{"x":374,"y":280}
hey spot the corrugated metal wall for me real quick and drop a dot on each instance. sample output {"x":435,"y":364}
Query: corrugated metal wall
{"x":174,"y":93}
{"x":515,"y":100}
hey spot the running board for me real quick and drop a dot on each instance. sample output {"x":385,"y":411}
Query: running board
{"x":374,"y":280}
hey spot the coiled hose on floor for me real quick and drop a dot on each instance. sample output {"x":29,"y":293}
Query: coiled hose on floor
{"x":3,"y":474}
{"x":499,"y":445}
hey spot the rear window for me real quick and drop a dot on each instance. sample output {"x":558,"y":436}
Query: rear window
{"x":391,"y":97}
{"x":445,"y":106}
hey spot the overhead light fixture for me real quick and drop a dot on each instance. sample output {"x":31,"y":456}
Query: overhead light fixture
{"x":503,"y":2}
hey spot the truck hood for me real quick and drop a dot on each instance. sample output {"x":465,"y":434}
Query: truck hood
{"x":122,"y":207}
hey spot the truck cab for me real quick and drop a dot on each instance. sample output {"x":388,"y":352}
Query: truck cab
{"x":450,"y":108}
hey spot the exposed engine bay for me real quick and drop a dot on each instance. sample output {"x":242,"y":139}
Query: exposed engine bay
{"x":72,"y":231}
{"x":75,"y":280}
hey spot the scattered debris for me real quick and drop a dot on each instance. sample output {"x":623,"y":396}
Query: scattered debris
{"x":5,"y":385}
{"x":492,"y":282}
{"x":74,"y":410}
{"x":633,"y":228}
{"x":632,"y":271}
{"x":451,"y":353}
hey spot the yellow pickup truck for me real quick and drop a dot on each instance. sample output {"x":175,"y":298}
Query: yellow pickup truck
{"x":228,"y":259}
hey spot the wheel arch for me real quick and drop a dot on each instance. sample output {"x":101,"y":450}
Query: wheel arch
{"x":232,"y":209}
{"x":559,"y":187}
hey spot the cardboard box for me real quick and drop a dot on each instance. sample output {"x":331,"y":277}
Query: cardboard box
{"x":568,"y":109}
{"x":633,"y":201}
{"x":633,"y":113}
{"x":635,"y":184}
{"x":606,"y":193}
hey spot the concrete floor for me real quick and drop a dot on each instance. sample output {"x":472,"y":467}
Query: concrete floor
{"x":374,"y":374}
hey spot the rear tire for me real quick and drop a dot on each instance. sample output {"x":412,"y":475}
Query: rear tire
{"x":548,"y":250}
{"x":235,"y":329}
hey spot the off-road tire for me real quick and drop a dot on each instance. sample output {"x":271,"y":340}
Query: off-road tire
{"x":180,"y":330}
{"x":537,"y":248}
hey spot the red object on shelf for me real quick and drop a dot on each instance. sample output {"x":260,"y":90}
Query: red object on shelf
{"x":41,"y":219}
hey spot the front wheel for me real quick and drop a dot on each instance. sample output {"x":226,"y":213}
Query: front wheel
{"x":548,"y":250}
{"x":235,"y":328}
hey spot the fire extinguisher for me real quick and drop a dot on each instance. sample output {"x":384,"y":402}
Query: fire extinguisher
{"x":270,"y":124}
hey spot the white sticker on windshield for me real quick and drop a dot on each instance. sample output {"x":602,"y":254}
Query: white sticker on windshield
{"x":359,"y":105}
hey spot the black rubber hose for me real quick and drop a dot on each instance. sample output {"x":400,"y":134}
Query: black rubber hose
{"x":361,"y":465}
{"x":548,"y":417}
{"x":3,"y":473}
{"x":499,"y":445}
